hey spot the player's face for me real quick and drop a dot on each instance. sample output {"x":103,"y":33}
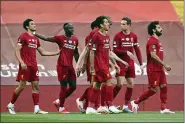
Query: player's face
{"x":69,"y":29}
{"x":32,"y":26}
{"x":124,"y":26}
{"x":106,"y":25}
{"x":158,"y":30}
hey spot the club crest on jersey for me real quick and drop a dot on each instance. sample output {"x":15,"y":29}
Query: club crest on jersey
{"x":107,"y":40}
{"x":127,"y":39}
{"x":33,"y":40}
{"x":122,"y":39}
{"x":114,"y":42}
{"x":70,"y":41}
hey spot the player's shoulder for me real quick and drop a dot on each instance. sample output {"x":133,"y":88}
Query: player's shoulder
{"x":25,"y":34}
{"x":74,"y":37}
{"x":133,"y":34}
{"x":87,"y":37}
{"x":151,"y":40}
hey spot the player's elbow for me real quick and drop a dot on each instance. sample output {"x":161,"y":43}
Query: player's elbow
{"x":42,"y":53}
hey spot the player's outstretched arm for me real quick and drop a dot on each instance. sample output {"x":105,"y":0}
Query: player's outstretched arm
{"x":113,"y":55}
{"x":46,"y":53}
{"x":42,"y":37}
{"x":18,"y":56}
{"x":156,"y":58}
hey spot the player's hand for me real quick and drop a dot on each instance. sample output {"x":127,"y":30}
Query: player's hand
{"x":167,"y":67}
{"x":126,"y":64}
{"x":142,"y":68}
{"x":117,"y":69}
{"x":130,"y":55}
{"x":78,"y":70}
{"x":23,"y":66}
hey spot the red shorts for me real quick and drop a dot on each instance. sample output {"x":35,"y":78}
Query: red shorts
{"x":66,"y":73}
{"x":102,"y":76}
{"x":30,"y":74}
{"x":156,"y":78}
{"x":127,"y":72}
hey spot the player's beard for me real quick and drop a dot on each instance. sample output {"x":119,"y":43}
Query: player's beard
{"x":158,"y":33}
{"x":32,"y":30}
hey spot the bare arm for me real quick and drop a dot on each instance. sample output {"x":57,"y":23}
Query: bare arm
{"x":92,"y":70}
{"x":82,"y":61}
{"x":113,"y":55}
{"x":157,"y":59}
{"x":76,"y":54}
{"x":42,"y":37}
{"x":46,"y":53}
{"x":18,"y":56}
{"x":83,"y":56}
{"x":17,"y":53}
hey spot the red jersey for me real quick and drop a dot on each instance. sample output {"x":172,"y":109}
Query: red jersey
{"x":123,"y":43}
{"x":28,"y":51}
{"x":68,"y":46}
{"x":101,"y":46}
{"x":154,"y":45}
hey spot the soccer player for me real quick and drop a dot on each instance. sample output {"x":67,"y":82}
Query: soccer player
{"x":25,"y":52}
{"x":81,"y":65}
{"x":86,"y":66}
{"x":124,"y":44}
{"x":155,"y":69}
{"x":99,"y":67}
{"x":66,"y":73}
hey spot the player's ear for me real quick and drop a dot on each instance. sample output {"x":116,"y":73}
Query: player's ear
{"x":27,"y":27}
{"x":154,"y":30}
{"x":101,"y":25}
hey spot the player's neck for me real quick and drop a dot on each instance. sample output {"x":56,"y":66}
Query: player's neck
{"x":126,"y":32}
{"x":68,"y":35}
{"x":154,"y":35}
{"x":102,"y":31}
{"x":30,"y":33}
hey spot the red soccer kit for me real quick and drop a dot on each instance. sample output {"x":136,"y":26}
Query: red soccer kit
{"x":155,"y":71}
{"x":88,"y":42}
{"x":121,"y":44}
{"x":65,"y":68}
{"x":28,"y":54}
{"x":101,"y":46}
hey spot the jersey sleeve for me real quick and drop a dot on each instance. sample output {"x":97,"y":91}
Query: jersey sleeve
{"x":38,"y":43}
{"x":86,"y":40}
{"x":136,"y":44}
{"x":152,"y":45}
{"x":57,"y":39}
{"x":21,"y":40}
{"x":94,"y":42}
{"x":116,"y":41}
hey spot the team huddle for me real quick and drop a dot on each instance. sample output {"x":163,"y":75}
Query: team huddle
{"x":99,"y":61}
